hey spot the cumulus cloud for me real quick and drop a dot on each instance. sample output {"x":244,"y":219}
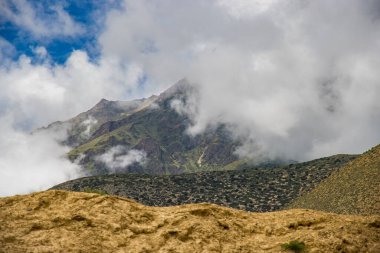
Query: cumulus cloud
{"x":36,"y":94}
{"x":40,"y":52}
{"x":42,"y":93}
{"x":31,"y":162}
{"x":293,"y":79}
{"x":118,"y":158}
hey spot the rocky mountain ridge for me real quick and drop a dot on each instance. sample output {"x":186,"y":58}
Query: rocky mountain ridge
{"x":256,"y":189}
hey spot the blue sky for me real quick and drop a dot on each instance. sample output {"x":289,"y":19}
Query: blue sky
{"x":87,"y":14}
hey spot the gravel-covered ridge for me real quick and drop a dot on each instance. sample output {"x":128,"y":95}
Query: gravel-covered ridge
{"x":258,"y":190}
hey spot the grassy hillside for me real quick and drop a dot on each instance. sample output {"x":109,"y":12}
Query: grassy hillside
{"x":58,"y":221}
{"x":354,"y":189}
{"x":260,"y":189}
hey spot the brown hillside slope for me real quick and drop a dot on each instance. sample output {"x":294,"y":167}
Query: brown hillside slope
{"x":353,"y":189}
{"x":59,"y":221}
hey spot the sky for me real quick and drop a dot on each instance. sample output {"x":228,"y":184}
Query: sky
{"x":294,"y":79}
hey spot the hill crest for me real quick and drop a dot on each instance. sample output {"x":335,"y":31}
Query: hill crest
{"x":353,"y":189}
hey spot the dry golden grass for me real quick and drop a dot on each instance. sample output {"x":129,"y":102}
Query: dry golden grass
{"x":353,"y":189}
{"x":59,"y":221}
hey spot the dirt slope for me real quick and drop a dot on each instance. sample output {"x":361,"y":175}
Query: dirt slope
{"x":353,"y":189}
{"x":59,"y":221}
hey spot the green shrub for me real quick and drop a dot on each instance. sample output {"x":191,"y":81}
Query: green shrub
{"x":91,"y":190}
{"x":295,"y":246}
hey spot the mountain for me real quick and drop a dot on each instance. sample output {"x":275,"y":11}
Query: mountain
{"x":148,"y":136}
{"x":256,"y":189}
{"x":85,"y":124}
{"x":81,"y":128}
{"x":353,"y":189}
{"x":59,"y":221}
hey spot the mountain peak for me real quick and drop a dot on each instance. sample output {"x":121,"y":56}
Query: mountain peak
{"x":181,"y":85}
{"x":180,"y":88}
{"x":102,"y":102}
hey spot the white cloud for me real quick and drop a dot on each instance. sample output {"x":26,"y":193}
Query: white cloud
{"x":40,"y":52}
{"x":44,"y":93}
{"x":118,"y":158}
{"x":35,"y":95}
{"x":36,"y":20}
{"x":31,"y":162}
{"x":89,"y":123}
{"x":294,"y":79}
{"x":246,"y":8}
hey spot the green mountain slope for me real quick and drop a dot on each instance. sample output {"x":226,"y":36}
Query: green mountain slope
{"x":151,"y":134}
{"x":354,"y":189}
{"x":259,"y":190}
{"x":81,"y":127}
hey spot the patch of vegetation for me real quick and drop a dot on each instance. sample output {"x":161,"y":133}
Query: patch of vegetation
{"x":295,"y":246}
{"x":97,"y":191}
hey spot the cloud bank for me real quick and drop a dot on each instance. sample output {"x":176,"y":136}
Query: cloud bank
{"x":37,"y":94}
{"x":293,"y":79}
{"x":30,"y":162}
